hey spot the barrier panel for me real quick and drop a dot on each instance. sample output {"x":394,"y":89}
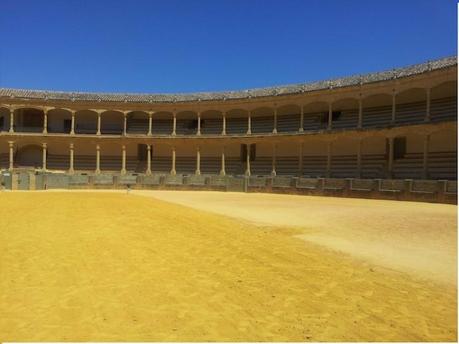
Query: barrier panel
{"x":236,"y":184}
{"x":173,"y":179}
{"x":103,"y":179}
{"x":196,"y":180}
{"x":424,"y":186}
{"x":282,"y":182}
{"x":154,"y":179}
{"x":307,"y":183}
{"x":257,"y":181}
{"x":55,"y":181}
{"x":128,"y":179}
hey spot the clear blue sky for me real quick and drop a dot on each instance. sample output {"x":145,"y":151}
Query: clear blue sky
{"x":196,"y":45}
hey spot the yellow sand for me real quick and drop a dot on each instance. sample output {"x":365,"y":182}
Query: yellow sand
{"x":117,"y":267}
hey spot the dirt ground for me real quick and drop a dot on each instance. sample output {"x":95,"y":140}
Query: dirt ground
{"x":87,"y":266}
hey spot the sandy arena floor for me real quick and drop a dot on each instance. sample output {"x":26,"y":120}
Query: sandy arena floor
{"x":80,"y":266}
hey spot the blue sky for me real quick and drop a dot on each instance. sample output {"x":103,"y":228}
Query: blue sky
{"x":196,"y":45}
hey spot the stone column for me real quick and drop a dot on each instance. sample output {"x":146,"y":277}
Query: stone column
{"x":71,"y":170}
{"x":150,"y":123}
{"x":97,"y":159}
{"x":300,"y":159}
{"x":275,"y":121}
{"x":199,"y":124}
{"x":247,"y":169}
{"x":329,"y":157}
{"x":174,"y":124}
{"x":427,"y":118}
{"x":393,"y":107}
{"x":148,"y":171}
{"x":224,"y":123}
{"x":222,"y":170}
{"x":330,"y":116}
{"x":44,"y":156}
{"x":359,"y":158}
{"x":123,"y":161}
{"x":425,"y":160}
{"x":45,"y":121}
{"x":198,"y":161}
{"x":173,"y":171}
{"x":11,"y":151}
{"x":300,"y":129}
{"x":360,"y":122}
{"x":125,"y":124}
{"x":98,"y":122}
{"x":11,"y":121}
{"x":249,"y":124}
{"x":72,"y":127}
{"x":273,"y":162}
{"x":390,"y":162}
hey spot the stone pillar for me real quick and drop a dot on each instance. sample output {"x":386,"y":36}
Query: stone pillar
{"x":198,"y":161}
{"x":71,"y":170}
{"x":150,"y":123}
{"x":275,"y":121}
{"x":329,"y":157}
{"x":45,"y":121}
{"x":300,"y":159}
{"x":301,"y":129}
{"x":427,"y":118}
{"x":390,"y":162}
{"x":247,"y":169}
{"x":224,"y":123}
{"x":425,"y":160}
{"x":199,"y":124}
{"x":393,"y":107}
{"x":72,"y":127}
{"x":11,"y":121}
{"x":174,"y":124}
{"x":249,"y":124}
{"x":123,"y":161}
{"x":330,"y":116}
{"x":222,"y":170}
{"x":98,"y":122}
{"x":125,"y":124}
{"x":97,"y":159}
{"x":273,"y":162}
{"x":360,"y":122}
{"x":11,"y":151}
{"x":44,"y":156}
{"x":173,"y":171}
{"x":359,"y":158}
{"x":148,"y":171}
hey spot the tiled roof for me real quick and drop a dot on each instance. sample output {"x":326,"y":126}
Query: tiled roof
{"x":251,"y":93}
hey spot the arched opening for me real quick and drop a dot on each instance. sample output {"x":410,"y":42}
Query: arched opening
{"x":288,"y":118}
{"x":443,"y":104}
{"x":137,"y":122}
{"x":236,"y":121}
{"x":86,"y":122}
{"x":28,"y":120}
{"x":315,"y":116}
{"x":345,"y":113}
{"x":162,"y":123}
{"x":112,"y":123}
{"x":4,"y":119}
{"x":211,"y":122}
{"x":59,"y":121}
{"x":377,"y":110}
{"x":262,"y":120}
{"x":410,"y":106}
{"x":29,"y":156}
{"x":187,"y":123}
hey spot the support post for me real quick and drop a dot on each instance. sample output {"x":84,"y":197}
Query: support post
{"x":71,"y":170}
{"x":72,"y":125}
{"x":222,"y":169}
{"x":330,"y":116}
{"x":45,"y":121}
{"x":125,"y":124}
{"x":44,"y":156}
{"x":360,"y":123}
{"x":301,"y":129}
{"x":224,"y":123}
{"x":249,"y":123}
{"x":199,"y":124}
{"x":275,"y":121}
{"x":11,"y":121}
{"x":123,"y":161}
{"x":97,"y":159}
{"x":11,"y":151}
{"x":150,"y":123}
{"x":247,"y":168}
{"x":427,"y":118}
{"x":174,"y":124}
{"x":273,"y":162}
{"x":98,"y":122}
{"x":173,"y":171}
{"x":198,"y":161}
{"x":148,"y":171}
{"x":425,"y":160}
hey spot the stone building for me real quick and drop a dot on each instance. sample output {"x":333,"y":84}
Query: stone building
{"x":387,"y":134}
